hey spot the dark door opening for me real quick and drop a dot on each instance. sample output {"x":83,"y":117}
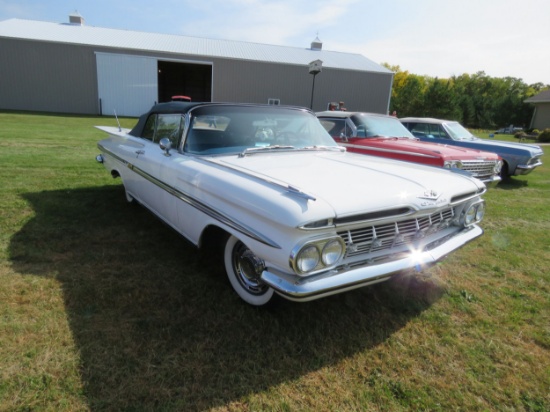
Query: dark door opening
{"x":177,"y":79}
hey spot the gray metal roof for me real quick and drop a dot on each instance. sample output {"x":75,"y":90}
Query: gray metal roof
{"x":167,"y":43}
{"x":542,"y":97}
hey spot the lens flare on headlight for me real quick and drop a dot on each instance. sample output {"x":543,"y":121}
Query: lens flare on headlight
{"x":470,"y":216}
{"x":480,"y":212}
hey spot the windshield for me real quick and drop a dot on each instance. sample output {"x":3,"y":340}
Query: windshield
{"x":458,"y":132}
{"x":379,"y":126}
{"x":224,"y":129}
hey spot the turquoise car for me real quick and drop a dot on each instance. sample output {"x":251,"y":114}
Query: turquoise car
{"x":518,"y":158}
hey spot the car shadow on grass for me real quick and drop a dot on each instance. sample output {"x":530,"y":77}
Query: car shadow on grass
{"x":158,"y":327}
{"x":512,"y":183}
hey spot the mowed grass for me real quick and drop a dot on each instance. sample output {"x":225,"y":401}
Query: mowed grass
{"x":102,"y":307}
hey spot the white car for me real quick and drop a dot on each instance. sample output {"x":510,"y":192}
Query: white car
{"x":296,"y":214}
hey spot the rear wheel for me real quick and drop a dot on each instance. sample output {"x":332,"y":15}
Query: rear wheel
{"x":244,"y":269}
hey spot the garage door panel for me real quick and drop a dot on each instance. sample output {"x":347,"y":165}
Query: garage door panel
{"x":126,"y":84}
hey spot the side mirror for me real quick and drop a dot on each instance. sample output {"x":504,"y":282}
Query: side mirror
{"x":343,"y":137}
{"x":165,"y":144}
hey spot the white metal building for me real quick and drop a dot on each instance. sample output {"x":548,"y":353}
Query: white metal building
{"x":75,"y":68}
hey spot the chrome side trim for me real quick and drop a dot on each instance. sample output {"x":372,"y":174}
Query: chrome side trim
{"x":213,"y":213}
{"x":377,"y":149}
{"x":105,"y":150}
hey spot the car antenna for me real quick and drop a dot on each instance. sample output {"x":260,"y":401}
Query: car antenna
{"x":116,"y":117}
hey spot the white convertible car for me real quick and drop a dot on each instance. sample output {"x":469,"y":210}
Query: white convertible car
{"x":297,"y":214}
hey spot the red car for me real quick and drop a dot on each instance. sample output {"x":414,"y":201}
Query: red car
{"x":381,"y":135}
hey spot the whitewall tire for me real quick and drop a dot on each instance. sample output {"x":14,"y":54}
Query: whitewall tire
{"x":243,"y":270}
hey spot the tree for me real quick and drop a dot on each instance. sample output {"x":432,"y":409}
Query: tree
{"x":477,"y":101}
{"x":407,"y":98}
{"x":439,"y":100}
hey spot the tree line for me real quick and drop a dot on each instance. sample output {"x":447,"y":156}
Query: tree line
{"x":477,"y":101}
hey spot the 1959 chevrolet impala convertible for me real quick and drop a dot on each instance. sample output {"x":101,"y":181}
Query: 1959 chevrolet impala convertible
{"x":297,"y":214}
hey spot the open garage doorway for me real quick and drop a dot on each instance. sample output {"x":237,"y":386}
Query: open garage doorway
{"x":188,"y":79}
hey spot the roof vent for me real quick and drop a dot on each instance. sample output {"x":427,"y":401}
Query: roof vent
{"x":76,"y":19}
{"x":316,"y":44}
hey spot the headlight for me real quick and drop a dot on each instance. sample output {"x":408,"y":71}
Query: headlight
{"x":470,"y":216}
{"x":533,"y":160}
{"x":474,"y":214}
{"x":453,"y":164}
{"x":317,"y":255}
{"x":480,"y":212}
{"x":307,"y":259}
{"x":498,"y":166}
{"x":332,"y":252}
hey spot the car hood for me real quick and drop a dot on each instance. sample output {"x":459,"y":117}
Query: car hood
{"x":534,"y":149}
{"x":349,"y":183}
{"x":427,"y":148}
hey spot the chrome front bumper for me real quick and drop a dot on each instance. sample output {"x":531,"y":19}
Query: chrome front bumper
{"x":303,"y":289}
{"x":526,"y":169}
{"x":492,"y":181}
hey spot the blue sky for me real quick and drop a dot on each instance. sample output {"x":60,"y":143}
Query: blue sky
{"x":437,"y":38}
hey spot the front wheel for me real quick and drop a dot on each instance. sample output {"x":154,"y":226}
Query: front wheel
{"x":244,"y":269}
{"x":505,"y":172}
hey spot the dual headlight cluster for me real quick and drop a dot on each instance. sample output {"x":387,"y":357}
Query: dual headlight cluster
{"x":474,"y":213}
{"x":453,"y":164}
{"x":317,"y":255}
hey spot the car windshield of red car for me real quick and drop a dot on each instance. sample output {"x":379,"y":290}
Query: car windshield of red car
{"x":380,"y":126}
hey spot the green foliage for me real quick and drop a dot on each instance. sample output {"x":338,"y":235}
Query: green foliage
{"x":477,"y":101}
{"x":439,"y":100}
{"x":544,"y":137}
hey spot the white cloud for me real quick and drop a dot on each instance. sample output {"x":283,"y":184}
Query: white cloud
{"x":502,"y":38}
{"x":264,"y":21}
{"x":426,"y":37}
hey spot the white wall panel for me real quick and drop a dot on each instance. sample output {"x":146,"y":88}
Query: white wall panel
{"x":126,"y":84}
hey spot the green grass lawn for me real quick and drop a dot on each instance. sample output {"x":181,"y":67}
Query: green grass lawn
{"x":102,"y":307}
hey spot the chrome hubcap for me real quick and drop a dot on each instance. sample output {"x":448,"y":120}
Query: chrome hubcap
{"x":248,"y":269}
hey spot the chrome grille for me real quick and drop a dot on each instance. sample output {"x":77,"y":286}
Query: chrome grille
{"x":480,"y":168}
{"x":388,"y":236}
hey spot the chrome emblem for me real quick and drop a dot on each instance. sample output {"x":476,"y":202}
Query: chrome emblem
{"x":430,"y":194}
